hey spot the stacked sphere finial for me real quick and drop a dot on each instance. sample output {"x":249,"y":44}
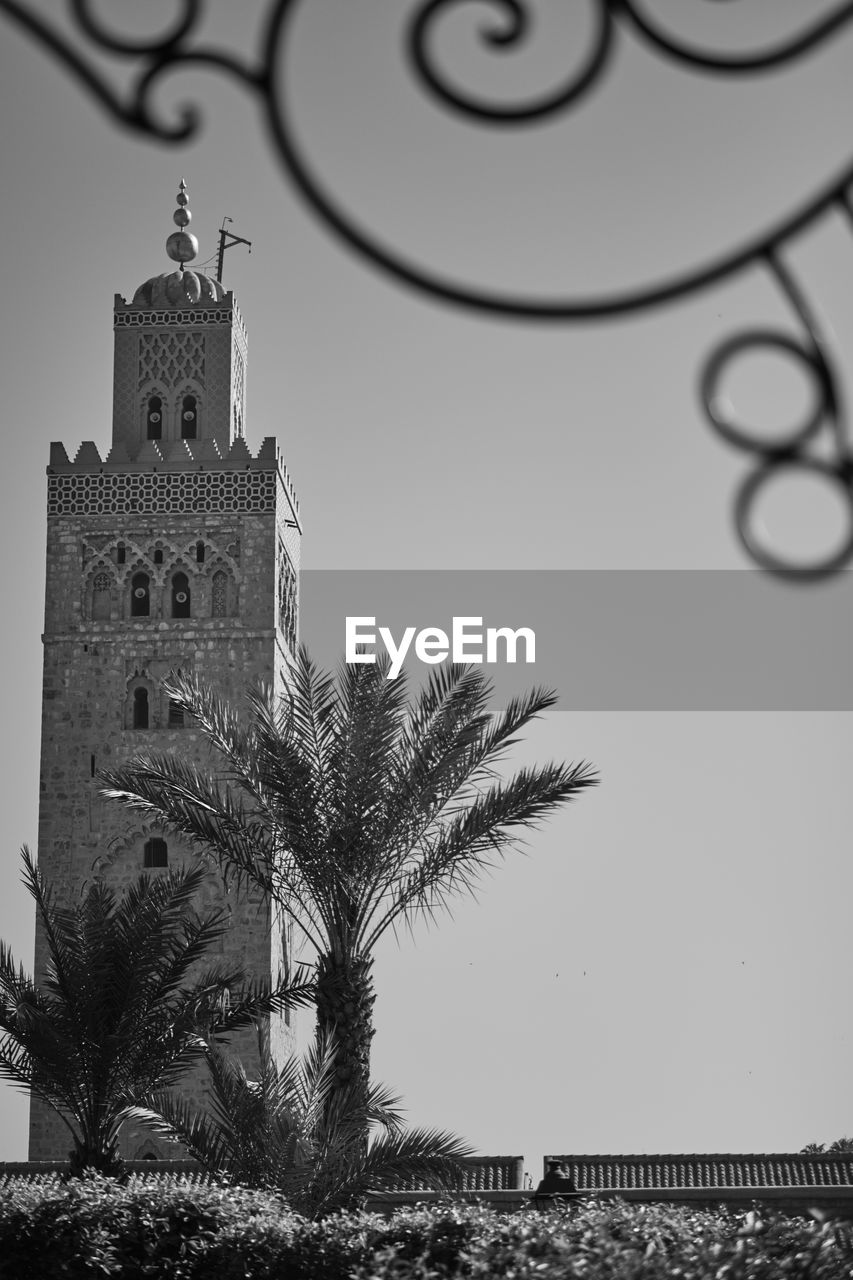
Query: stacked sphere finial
{"x":182,"y":246}
{"x":180,"y":288}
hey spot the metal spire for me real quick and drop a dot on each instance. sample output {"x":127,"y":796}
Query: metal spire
{"x":182,"y":245}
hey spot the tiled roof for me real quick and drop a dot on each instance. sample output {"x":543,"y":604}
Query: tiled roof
{"x":483,"y":1173}
{"x":185,"y":1170}
{"x":607,"y":1172}
{"x":480,"y":1173}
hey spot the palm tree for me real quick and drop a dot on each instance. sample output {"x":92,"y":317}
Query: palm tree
{"x":125,"y":1003}
{"x":292,"y":1130}
{"x":837,"y":1147}
{"x":352,"y":808}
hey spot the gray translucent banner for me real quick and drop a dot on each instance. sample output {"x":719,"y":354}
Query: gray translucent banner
{"x":617,"y":640}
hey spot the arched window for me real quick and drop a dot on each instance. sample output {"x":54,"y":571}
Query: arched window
{"x":121,"y":553}
{"x":158,"y":556}
{"x":140,"y":596}
{"x":155,"y":853}
{"x":140,"y":708}
{"x":154,"y":418}
{"x":101,"y":597}
{"x":180,"y":596}
{"x":199,"y":552}
{"x":189,"y":418}
{"x":219,"y":595}
{"x":176,"y":715}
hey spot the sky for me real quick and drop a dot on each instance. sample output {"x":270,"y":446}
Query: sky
{"x":667,"y":969}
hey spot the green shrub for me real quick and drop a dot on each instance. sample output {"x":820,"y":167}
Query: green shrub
{"x":158,"y":1227}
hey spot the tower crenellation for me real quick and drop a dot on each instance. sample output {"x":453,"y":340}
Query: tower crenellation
{"x":177,"y":550}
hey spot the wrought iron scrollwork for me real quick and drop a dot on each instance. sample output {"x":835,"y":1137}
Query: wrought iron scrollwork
{"x":514,"y":25}
{"x":178,"y":46}
{"x":786,"y":455}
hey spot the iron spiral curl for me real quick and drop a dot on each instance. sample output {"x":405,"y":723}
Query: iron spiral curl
{"x":514,"y":31}
{"x":178,"y":46}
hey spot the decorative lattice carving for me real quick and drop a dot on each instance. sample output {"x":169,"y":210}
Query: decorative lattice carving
{"x":171,"y":357}
{"x":239,"y":389}
{"x":214,"y":557}
{"x":94,"y":547}
{"x":102,"y":584}
{"x":161,"y":319}
{"x":287,"y":598}
{"x":116,"y":493}
{"x":219,"y":595}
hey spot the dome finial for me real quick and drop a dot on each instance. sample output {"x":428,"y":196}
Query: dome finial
{"x":180,"y":288}
{"x":182,"y":245}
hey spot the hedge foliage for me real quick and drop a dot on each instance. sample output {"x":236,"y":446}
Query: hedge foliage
{"x":173,"y":1227}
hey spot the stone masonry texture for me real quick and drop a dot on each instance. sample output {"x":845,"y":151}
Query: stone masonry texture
{"x":226,"y":523}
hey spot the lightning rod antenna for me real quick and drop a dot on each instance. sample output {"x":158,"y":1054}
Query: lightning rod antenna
{"x":227,"y":240}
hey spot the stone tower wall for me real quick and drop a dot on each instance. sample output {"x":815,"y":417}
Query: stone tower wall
{"x":199,"y":350}
{"x":228,"y":521}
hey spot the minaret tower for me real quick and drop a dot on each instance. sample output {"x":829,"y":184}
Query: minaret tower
{"x":178,"y":550}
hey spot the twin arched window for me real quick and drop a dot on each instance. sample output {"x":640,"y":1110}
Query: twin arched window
{"x":154,"y":418}
{"x":140,"y":596}
{"x":140,"y":709}
{"x":179,"y":593}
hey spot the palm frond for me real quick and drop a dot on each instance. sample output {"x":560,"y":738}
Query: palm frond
{"x":292,"y":1129}
{"x":452,"y":859}
{"x":125,"y":1003}
{"x":353,"y":808}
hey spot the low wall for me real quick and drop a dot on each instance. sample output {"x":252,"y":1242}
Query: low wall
{"x":835,"y":1202}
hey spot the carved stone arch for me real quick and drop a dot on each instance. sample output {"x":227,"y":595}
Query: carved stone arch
{"x":182,"y":561}
{"x":139,"y":702}
{"x":100,"y":591}
{"x":179,"y":589}
{"x":160,"y":553}
{"x":140,"y":566}
{"x":134,"y":564}
{"x":224,"y":592}
{"x":215,"y":552}
{"x":93,"y":548}
{"x":288,"y":598}
{"x":125,"y":846}
{"x":188,"y":409}
{"x":150,"y":428}
{"x":132,"y":551}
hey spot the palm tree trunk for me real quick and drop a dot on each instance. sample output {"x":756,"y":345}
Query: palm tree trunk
{"x":345,"y":1001}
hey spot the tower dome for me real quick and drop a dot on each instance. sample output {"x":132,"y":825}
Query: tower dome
{"x":179,"y":288}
